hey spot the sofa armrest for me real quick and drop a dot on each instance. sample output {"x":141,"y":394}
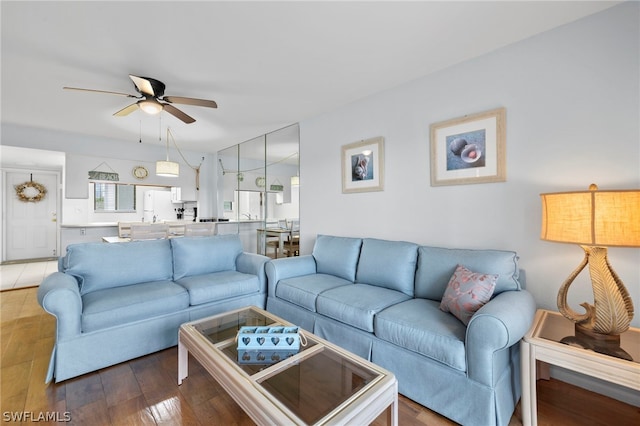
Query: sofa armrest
{"x":288,"y":267}
{"x":59,"y":295}
{"x":498,"y":325}
{"x":251,"y":263}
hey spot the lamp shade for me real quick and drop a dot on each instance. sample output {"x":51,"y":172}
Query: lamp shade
{"x":592,"y":218}
{"x":167,"y":168}
{"x":295,"y":180}
{"x":150,"y":106}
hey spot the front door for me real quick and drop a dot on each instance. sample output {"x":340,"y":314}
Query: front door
{"x":31,"y":226}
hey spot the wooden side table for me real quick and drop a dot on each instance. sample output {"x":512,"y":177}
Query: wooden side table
{"x":552,"y":339}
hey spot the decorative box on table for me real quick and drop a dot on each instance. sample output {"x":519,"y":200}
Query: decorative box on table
{"x":267,"y":345}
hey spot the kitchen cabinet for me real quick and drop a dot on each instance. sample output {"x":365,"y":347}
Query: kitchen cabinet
{"x":183,"y":194}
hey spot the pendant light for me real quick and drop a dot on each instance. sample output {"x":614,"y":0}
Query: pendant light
{"x":167,"y":168}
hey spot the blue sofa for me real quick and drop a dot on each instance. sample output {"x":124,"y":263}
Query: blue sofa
{"x":381,"y":300}
{"x":115,"y":302}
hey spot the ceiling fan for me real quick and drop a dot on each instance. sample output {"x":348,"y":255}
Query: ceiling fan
{"x":151,"y":92}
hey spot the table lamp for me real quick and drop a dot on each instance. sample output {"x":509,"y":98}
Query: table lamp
{"x":595,"y":219}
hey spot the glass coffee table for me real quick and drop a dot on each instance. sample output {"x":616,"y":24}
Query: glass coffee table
{"x":321,"y":384}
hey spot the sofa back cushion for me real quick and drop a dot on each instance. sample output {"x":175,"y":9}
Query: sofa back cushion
{"x":388,"y":264}
{"x":436,"y":266}
{"x":337,"y":256}
{"x":98,"y":266}
{"x":204,"y":255}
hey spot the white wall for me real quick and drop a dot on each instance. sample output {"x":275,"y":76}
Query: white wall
{"x":84,"y":153}
{"x":572,"y":102}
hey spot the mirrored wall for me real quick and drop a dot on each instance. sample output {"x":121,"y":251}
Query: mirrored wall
{"x":258,"y":184}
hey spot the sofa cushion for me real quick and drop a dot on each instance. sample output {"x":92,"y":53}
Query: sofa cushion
{"x":204,"y":255}
{"x":303,"y":291}
{"x":388,"y":264}
{"x":123,"y":305}
{"x":98,"y":266}
{"x":467,"y":292}
{"x":357,"y":304}
{"x":420,"y":326}
{"x":337,"y":256}
{"x":436,"y":265}
{"x":219,"y":286}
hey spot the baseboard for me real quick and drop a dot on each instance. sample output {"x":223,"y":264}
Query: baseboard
{"x":621,"y":393}
{"x":39,"y":259}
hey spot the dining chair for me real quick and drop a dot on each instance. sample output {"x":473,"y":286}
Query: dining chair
{"x":124,"y":228}
{"x":200,"y":229}
{"x":153,"y":231}
{"x":176,"y":228}
{"x":271,"y":242}
{"x":292,"y":245}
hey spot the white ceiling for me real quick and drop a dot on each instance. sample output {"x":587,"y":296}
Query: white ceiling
{"x":267,"y":64}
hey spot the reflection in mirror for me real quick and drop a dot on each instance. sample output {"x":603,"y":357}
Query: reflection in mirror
{"x":257,"y":179}
{"x":228,"y":177}
{"x":252,"y":168}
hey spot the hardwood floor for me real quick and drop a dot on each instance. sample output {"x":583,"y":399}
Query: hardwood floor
{"x":143,"y":391}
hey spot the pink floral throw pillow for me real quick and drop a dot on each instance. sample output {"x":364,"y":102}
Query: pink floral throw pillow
{"x":467,"y":292}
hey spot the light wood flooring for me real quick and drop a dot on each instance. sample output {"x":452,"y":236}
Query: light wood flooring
{"x":143,"y":391}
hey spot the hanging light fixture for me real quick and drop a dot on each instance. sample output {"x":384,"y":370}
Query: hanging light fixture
{"x":171,"y":168}
{"x":167,"y":168}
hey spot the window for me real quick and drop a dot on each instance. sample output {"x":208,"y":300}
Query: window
{"x":114,"y":197}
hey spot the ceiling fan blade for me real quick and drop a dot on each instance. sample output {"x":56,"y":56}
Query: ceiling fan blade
{"x":148,"y":86}
{"x":100,"y":91}
{"x":178,"y":114}
{"x":126,"y":110}
{"x":190,"y":101}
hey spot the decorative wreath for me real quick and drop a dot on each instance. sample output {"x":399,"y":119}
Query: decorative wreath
{"x":30,"y":192}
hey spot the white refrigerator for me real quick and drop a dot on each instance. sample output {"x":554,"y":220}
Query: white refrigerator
{"x":158,"y":206}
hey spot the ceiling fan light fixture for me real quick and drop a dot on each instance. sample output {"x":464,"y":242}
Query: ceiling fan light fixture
{"x":150,"y":106}
{"x":167,"y":168}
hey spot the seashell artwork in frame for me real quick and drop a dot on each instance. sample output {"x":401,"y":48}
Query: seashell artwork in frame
{"x":469,"y":149}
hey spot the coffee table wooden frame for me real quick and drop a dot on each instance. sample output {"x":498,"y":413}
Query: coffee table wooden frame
{"x":380,"y":395}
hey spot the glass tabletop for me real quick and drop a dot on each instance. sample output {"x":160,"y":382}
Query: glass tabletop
{"x":559,"y":329}
{"x":316,"y":382}
{"x":226,"y":326}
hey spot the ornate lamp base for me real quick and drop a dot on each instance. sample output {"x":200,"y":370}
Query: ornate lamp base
{"x":603,"y":338}
{"x":612,"y":311}
{"x":602,"y":343}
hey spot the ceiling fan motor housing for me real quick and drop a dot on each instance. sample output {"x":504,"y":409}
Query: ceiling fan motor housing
{"x":156,"y":85}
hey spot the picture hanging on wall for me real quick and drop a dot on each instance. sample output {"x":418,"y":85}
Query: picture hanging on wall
{"x":469,"y":149}
{"x":363,"y":166}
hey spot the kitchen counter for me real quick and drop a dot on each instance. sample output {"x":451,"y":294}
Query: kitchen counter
{"x":85,"y":233}
{"x":88,"y":225}
{"x":73,"y":233}
{"x":108,"y":224}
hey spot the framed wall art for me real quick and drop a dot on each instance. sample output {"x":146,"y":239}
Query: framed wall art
{"x":363,"y":166}
{"x":469,"y":149}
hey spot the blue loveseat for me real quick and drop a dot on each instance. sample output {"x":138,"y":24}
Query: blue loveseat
{"x":381,"y":300}
{"x":115,"y":302}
